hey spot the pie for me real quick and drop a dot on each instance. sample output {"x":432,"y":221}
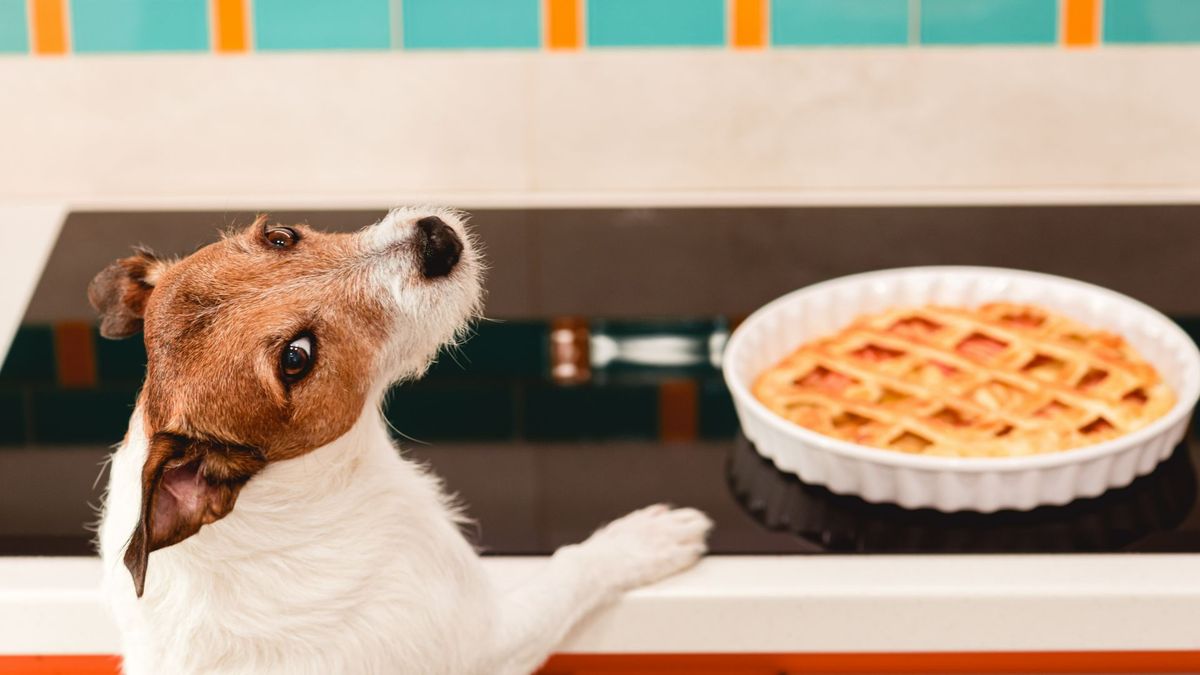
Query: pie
{"x":1002,"y":380}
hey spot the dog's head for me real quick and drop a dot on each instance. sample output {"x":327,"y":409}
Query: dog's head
{"x":270,"y":343}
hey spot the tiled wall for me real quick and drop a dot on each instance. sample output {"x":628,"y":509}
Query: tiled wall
{"x":103,"y":26}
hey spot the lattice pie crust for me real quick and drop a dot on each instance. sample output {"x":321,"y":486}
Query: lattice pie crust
{"x":1002,"y":380}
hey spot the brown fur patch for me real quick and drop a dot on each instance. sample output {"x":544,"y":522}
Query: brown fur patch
{"x":119,"y":294}
{"x":216,"y":324}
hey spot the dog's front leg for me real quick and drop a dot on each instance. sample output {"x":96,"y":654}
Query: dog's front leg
{"x":640,"y":548}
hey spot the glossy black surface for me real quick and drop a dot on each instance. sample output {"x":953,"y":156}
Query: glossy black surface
{"x":1154,"y":513}
{"x":530,"y":498}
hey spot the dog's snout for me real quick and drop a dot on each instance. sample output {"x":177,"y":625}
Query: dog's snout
{"x":440,"y":247}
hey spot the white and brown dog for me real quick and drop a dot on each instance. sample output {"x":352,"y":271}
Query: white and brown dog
{"x":286,"y":532}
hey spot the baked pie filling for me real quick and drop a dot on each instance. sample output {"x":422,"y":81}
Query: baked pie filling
{"x":1003,"y":380}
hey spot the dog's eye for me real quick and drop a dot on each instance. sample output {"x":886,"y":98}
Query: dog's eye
{"x":281,"y":237}
{"x":297,"y":358}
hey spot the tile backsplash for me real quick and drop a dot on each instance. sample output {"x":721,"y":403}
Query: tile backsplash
{"x":119,"y":26}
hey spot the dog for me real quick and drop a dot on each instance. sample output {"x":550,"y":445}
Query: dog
{"x":259,"y":519}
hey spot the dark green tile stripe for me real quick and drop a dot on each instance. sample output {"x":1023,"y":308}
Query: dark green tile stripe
{"x":498,"y":349}
{"x":476,"y":411}
{"x":590,"y":412}
{"x":81,"y":416}
{"x":120,"y":361}
{"x":718,"y":419}
{"x":13,"y":420}
{"x":31,"y":357}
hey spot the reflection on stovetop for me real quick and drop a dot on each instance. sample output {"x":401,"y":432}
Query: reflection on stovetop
{"x":530,"y":498}
{"x":1148,"y":515}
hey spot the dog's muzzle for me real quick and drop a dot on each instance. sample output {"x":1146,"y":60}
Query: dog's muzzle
{"x":439,"y":247}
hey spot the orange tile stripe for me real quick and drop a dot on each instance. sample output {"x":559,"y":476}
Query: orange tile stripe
{"x":754,"y":664}
{"x":749,"y":24}
{"x":230,"y":26}
{"x":990,"y":662}
{"x":60,"y":665}
{"x":563,"y":24}
{"x":678,"y":411}
{"x":49,"y":26}
{"x":75,"y":354}
{"x":1081,"y":23}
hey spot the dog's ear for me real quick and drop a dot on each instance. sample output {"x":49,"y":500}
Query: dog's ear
{"x":119,"y":292}
{"x":186,"y":483}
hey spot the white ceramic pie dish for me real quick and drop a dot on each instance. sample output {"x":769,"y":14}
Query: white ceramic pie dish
{"x":952,"y":483}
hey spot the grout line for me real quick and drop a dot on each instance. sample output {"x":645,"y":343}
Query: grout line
{"x":1064,"y":8}
{"x":731,"y":23}
{"x":248,"y":18}
{"x":29,"y":27}
{"x":396,"y":27}
{"x":583,"y":23}
{"x":914,"y":23}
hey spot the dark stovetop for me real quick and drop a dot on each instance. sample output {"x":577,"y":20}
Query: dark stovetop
{"x":530,"y":498}
{"x":760,"y":510}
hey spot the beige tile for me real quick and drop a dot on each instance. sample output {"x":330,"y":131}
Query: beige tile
{"x":266,"y":126}
{"x":803,"y":120}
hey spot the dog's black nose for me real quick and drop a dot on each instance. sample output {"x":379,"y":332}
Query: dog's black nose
{"x":440,"y":248}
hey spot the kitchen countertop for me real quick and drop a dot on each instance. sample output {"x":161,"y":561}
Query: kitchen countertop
{"x":773,"y":604}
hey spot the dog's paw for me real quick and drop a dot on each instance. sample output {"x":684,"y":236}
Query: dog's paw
{"x":647,"y":545}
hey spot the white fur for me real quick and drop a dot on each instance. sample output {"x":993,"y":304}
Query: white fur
{"x":349,"y":559}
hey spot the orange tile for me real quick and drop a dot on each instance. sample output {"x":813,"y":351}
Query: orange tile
{"x":75,"y":354}
{"x":1081,"y":23}
{"x":678,"y":411}
{"x":231,"y":31}
{"x":926,"y":663}
{"x":49,"y":26}
{"x":563,"y":24}
{"x":60,"y":665}
{"x":749,"y":24}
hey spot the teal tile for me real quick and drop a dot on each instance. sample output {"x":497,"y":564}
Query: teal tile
{"x":465,"y":411}
{"x":30,"y":359}
{"x":648,"y":23}
{"x":82,"y":415}
{"x":14,"y":27}
{"x":120,"y":361}
{"x":590,"y":412}
{"x":322,"y":24}
{"x":471,"y":24}
{"x":981,"y":22}
{"x":12,"y":417}
{"x":1163,"y":21}
{"x":139,"y":25}
{"x":839,"y":22}
{"x":497,"y":349}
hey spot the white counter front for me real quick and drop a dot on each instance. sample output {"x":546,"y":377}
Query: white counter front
{"x":795,"y":604}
